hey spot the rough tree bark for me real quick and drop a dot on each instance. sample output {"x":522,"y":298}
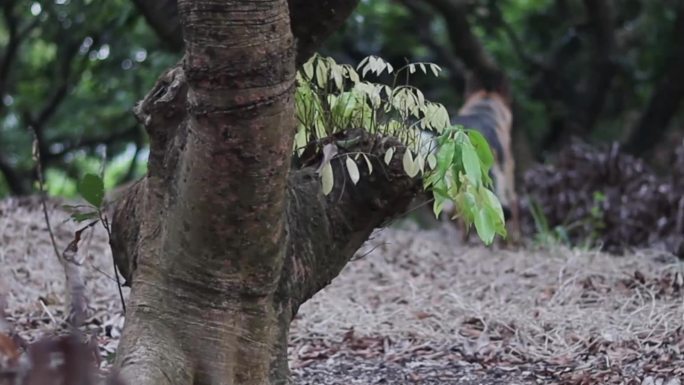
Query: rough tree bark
{"x":222,"y":241}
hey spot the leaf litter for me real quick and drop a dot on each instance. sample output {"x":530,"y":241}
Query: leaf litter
{"x":415,"y":308}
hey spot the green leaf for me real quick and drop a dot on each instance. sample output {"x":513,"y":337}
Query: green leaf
{"x":321,"y":74}
{"x":388,"y":155}
{"x":484,"y":226}
{"x":91,"y":189}
{"x":432,"y":160}
{"x":353,"y":170}
{"x":327,"y":178}
{"x":445,"y":156}
{"x":409,"y":164}
{"x":369,"y":164}
{"x":80,"y":217}
{"x":337,"y":77}
{"x":471,"y":163}
{"x":309,"y":69}
{"x":482,"y":148}
{"x":438,"y":204}
{"x":422,"y":67}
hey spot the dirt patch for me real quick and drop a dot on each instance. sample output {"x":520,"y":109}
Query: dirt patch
{"x":414,"y":307}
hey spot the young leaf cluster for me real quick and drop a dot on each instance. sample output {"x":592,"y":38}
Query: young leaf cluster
{"x":453,"y":162}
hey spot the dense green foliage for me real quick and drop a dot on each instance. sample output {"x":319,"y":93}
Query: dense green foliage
{"x":78,"y":69}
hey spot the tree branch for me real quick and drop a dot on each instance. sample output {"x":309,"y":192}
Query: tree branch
{"x":162,"y":17}
{"x":130,"y":133}
{"x":325,"y":232}
{"x":15,"y":182}
{"x":466,"y":45}
{"x":666,"y":98}
{"x":15,"y":38}
{"x":312,"y":22}
{"x":597,"y":83}
{"x":446,"y":57}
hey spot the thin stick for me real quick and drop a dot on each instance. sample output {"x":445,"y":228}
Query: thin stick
{"x":105,"y":224}
{"x":71,"y":273}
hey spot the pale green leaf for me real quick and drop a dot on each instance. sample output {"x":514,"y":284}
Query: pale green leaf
{"x":337,"y":77}
{"x":321,"y":74}
{"x":422,"y":67}
{"x":409,"y":164}
{"x":388,"y":155}
{"x":362,"y":62}
{"x":438,"y":204}
{"x":369,"y":164}
{"x":420,"y":161}
{"x":432,"y":160}
{"x":327,"y":178}
{"x":353,"y":170}
{"x":309,"y":69}
{"x":329,"y":150}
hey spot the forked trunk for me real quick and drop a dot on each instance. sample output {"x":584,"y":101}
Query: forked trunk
{"x":222,"y":242}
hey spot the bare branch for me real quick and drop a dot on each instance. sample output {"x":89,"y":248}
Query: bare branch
{"x":162,"y":16}
{"x":597,"y":83}
{"x":14,"y":180}
{"x":312,"y":22}
{"x":325,"y":232}
{"x":445,"y":56}
{"x":666,"y":98}
{"x":465,"y":44}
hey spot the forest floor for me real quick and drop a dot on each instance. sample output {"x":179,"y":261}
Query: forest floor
{"x":414,"y":307}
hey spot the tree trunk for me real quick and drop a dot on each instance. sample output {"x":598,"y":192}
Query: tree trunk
{"x":222,"y":242}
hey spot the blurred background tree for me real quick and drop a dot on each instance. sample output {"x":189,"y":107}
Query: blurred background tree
{"x":599,"y":70}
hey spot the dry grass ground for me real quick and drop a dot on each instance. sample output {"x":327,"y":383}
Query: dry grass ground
{"x":414,"y":307}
